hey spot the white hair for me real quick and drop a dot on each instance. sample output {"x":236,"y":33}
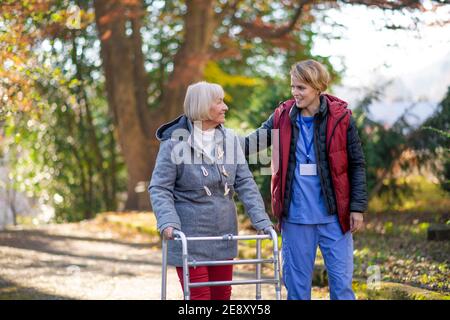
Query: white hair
{"x":199,"y":98}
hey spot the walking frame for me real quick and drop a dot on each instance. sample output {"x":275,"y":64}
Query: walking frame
{"x":180,"y":236}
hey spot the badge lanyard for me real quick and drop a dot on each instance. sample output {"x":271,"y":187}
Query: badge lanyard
{"x":307,"y":145}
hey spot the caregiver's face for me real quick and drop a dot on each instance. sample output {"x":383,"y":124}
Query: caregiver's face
{"x":303,"y":93}
{"x":217,"y":111}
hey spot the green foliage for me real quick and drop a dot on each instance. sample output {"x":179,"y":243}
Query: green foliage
{"x":403,"y":148}
{"x":421,"y":194}
{"x":65,"y":153}
{"x":382,"y":145}
{"x":433,"y":141}
{"x":162,"y":35}
{"x":60,"y":134}
{"x":55,"y":161}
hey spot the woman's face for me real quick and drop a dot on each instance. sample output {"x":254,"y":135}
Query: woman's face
{"x":217,"y":111}
{"x":303,"y":93}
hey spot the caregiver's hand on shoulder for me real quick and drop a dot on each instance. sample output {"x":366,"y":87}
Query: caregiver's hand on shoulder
{"x":168,"y":233}
{"x":356,"y":221}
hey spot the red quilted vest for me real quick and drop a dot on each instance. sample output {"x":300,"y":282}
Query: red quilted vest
{"x":338,"y":121}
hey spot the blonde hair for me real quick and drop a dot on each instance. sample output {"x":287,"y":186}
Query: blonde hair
{"x":199,"y":98}
{"x":313,"y":73}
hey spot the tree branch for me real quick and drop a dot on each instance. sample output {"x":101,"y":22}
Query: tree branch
{"x":387,"y":5}
{"x":257,"y":29}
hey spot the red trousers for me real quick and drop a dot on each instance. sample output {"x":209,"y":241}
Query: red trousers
{"x":211,"y":273}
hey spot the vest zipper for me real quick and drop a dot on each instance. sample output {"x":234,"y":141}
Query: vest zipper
{"x":281,"y":163}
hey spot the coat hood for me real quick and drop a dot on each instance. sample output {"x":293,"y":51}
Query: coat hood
{"x":182,"y":123}
{"x":336,"y":106}
{"x":165,"y":131}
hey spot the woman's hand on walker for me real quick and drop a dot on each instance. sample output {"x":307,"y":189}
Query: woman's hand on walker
{"x":356,"y":221}
{"x":168,"y":233}
{"x":267,"y":230}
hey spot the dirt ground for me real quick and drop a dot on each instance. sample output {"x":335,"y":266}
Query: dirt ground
{"x":72,"y":261}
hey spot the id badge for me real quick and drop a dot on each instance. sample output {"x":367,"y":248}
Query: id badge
{"x":309,"y":169}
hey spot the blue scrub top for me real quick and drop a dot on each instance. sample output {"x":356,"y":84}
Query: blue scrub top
{"x":307,"y":201}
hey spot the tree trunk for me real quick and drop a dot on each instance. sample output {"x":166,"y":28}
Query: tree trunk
{"x":124,"y":71}
{"x":126,"y":82}
{"x":191,"y":59}
{"x":112,"y":172}
{"x":13,"y":206}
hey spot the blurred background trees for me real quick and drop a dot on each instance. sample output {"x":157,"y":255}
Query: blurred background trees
{"x":84,"y":85}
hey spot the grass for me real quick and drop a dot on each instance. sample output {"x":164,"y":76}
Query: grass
{"x":396,"y":243}
{"x":423,"y":195}
{"x":395,"y":291}
{"x":142,"y":222}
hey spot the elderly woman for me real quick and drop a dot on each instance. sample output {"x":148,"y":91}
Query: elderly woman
{"x":199,"y":166}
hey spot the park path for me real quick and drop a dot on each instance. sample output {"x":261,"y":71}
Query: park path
{"x":70,"y":261}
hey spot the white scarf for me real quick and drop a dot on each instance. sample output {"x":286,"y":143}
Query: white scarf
{"x":204,"y":140}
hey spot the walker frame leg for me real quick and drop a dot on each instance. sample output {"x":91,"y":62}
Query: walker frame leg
{"x":276,"y":264}
{"x":180,"y":236}
{"x":258,"y":269}
{"x":164,"y":270}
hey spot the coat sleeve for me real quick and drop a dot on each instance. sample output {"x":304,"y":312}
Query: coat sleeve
{"x":357,"y":170}
{"x":248,"y":193}
{"x":260,"y":139}
{"x":161,"y":189}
